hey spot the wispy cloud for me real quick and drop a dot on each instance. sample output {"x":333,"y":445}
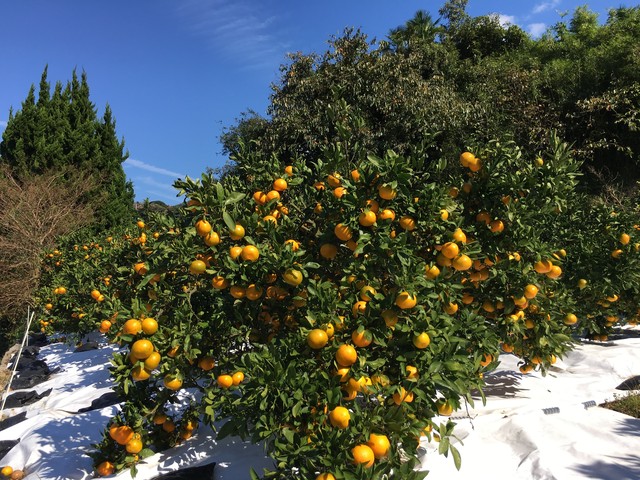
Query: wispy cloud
{"x":132,"y":162}
{"x":544,"y":6}
{"x":536,"y":29}
{"x":153,"y":189}
{"x":239,"y":30}
{"x":3,"y":124}
{"x":506,"y":19}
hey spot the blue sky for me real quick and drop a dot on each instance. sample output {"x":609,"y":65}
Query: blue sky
{"x":177,"y":72}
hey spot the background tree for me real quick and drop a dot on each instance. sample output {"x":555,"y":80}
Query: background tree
{"x":63,"y":129}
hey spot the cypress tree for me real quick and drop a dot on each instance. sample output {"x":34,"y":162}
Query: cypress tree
{"x":63,"y":129}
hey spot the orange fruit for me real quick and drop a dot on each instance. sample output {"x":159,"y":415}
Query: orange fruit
{"x":206,"y":363}
{"x":289,"y":170}
{"x":387,"y":214}
{"x":570,"y":319}
{"x":459,"y":236}
{"x":273,"y":195}
{"x":555,"y":272}
{"x":339,"y":417}
{"x":6,"y":471}
{"x":197,"y":267}
{"x":624,"y":238}
{"x":361,"y":339}
{"x":219,"y":283}
{"x":234,"y":252}
{"x":543,"y":266}
{"x":260,"y":197}
{"x":250,"y":253}
{"x":105,"y":325}
{"x":405,"y":300}
{"x":152,"y":361}
{"x":237,"y":232}
{"x":407,"y":223}
{"x":149,"y":326}
{"x":343,"y":232}
{"x":339,"y":192}
{"x":467,"y":158}
{"x":451,"y":308}
{"x":432,"y":272}
{"x":346,"y":355}
{"x":317,"y":338}
{"x":421,"y":340}
{"x":496,"y":226}
{"x":132,"y":326}
{"x":328,"y":251}
{"x":530,"y":291}
{"x":292,"y":277}
{"x":253,"y":292}
{"x":487,"y":359}
{"x":359,"y":308}
{"x":363,"y":455}
{"x":140,"y":373}
{"x":203,"y":227}
{"x":172,"y":382}
{"x":444,"y":407}
{"x":293,"y":244}
{"x":168,"y":426}
{"x":334,"y":180}
{"x":212,"y":239}
{"x":237,"y":292}
{"x":367,"y":293}
{"x":279,"y":184}
{"x":402,"y":396}
{"x":224,"y":381}
{"x":450,"y":250}
{"x":326,"y":476}
{"x":367,"y":218}
{"x":134,"y":445}
{"x":386,"y":192}
{"x":104,"y":469}
{"x":412,"y":372}
{"x":121,"y":434}
{"x":462,"y":262}
{"x":379,"y":444}
{"x":95,"y":294}
{"x":237,"y":378}
{"x":141,"y":349}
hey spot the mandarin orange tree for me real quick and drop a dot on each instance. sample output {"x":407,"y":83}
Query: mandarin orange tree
{"x":334,"y":308}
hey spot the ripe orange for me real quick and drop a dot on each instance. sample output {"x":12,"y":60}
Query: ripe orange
{"x":372,"y":205}
{"x":570,"y":319}
{"x":496,"y":226}
{"x":149,"y":326}
{"x":542,"y":266}
{"x":367,"y":293}
{"x":326,"y":476}
{"x":343,"y":232}
{"x":555,"y":272}
{"x":432,"y":272}
{"x":104,"y":469}
{"x":292,"y":277}
{"x":152,"y":361}
{"x":412,"y":372}
{"x":530,"y":291}
{"x":132,"y":326}
{"x":317,"y":338}
{"x":361,"y":339}
{"x":121,"y":434}
{"x":483,"y":217}
{"x":250,"y":253}
{"x":386,"y":192}
{"x":197,"y":267}
{"x":339,"y":192}
{"x":444,"y":407}
{"x":253,"y":292}
{"x":237,"y":378}
{"x":272,"y":195}
{"x":168,"y":426}
{"x":387,"y":214}
{"x":140,"y":373}
{"x":367,"y":218}
{"x":405,"y":300}
{"x":363,"y":455}
{"x":260,"y":197}
{"x":237,"y":292}
{"x":467,"y":158}
{"x":346,"y":355}
{"x":379,"y":444}
{"x":334,"y":180}
{"x":462,"y":262}
{"x":6,"y":471}
{"x":407,"y":223}
{"x":624,"y":238}
{"x":134,"y":445}
{"x":402,"y":396}
{"x":212,"y":239}
{"x":390,"y":317}
{"x":224,"y":381}
{"x":328,"y":251}
{"x":141,"y":349}
{"x":279,"y":184}
{"x":421,"y":340}
{"x":105,"y":325}
{"x":203,"y":227}
{"x":487,"y":359}
{"x":339,"y":417}
{"x":206,"y":363}
{"x":219,"y":283}
{"x":140,"y":268}
{"x":459,"y":236}
{"x":451,"y":308}
{"x":293,"y":244}
{"x":172,"y":382}
{"x":237,"y":232}
{"x":95,"y":294}
{"x":450,"y":250}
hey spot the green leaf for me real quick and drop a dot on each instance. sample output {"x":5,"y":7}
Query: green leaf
{"x":228,"y":220}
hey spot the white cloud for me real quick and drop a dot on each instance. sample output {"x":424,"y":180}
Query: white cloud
{"x":506,"y":19}
{"x":3,"y":124}
{"x":132,"y":162}
{"x":154,"y":189}
{"x":541,"y":7}
{"x":239,"y":29}
{"x":536,"y":29}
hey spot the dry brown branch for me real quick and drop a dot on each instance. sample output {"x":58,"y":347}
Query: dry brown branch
{"x":34,"y":211}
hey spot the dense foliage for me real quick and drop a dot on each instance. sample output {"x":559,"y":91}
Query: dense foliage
{"x":61,"y":131}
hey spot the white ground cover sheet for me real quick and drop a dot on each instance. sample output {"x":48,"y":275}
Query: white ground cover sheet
{"x":532,"y":427}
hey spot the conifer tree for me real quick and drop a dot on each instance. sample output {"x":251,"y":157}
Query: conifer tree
{"x":62,"y":130}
